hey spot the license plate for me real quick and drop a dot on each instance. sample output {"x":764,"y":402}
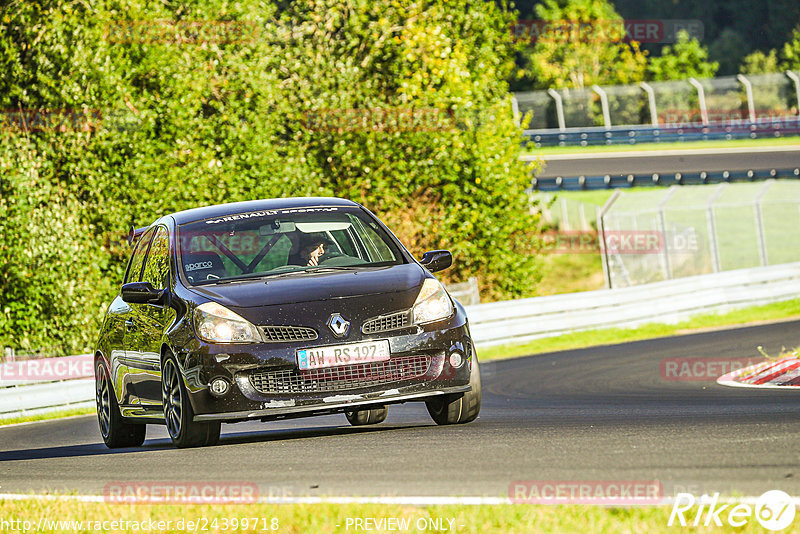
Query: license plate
{"x":350,"y":354}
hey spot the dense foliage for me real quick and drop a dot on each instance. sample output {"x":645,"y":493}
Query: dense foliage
{"x":118,"y":111}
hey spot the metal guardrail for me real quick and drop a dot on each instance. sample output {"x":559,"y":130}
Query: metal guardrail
{"x":37,"y":386}
{"x":609,"y":181}
{"x":516,"y":321}
{"x":523,"y":320}
{"x":631,"y":135}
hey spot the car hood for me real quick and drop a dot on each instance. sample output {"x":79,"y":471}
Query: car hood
{"x":315,"y":287}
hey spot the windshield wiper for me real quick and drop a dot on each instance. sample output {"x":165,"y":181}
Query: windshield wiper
{"x":323,"y":268}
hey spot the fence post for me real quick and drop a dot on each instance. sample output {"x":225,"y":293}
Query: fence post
{"x":792,"y":76}
{"x":559,"y":108}
{"x":748,"y":89}
{"x":701,"y":98}
{"x":712,"y":228}
{"x":762,"y":241}
{"x":564,"y":214}
{"x":601,"y":213}
{"x":604,"y":105}
{"x":651,"y":100}
{"x":662,"y":219}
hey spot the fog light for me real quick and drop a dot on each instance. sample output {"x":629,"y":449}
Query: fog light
{"x":456,"y":359}
{"x":219,"y":387}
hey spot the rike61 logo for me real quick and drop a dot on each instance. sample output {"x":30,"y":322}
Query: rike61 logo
{"x":774,"y":510}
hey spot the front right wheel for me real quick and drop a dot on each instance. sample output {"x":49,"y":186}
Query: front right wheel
{"x":458,"y":408}
{"x":178,"y":413}
{"x":115,"y":430}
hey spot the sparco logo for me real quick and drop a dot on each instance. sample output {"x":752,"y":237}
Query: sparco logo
{"x":198,"y":265}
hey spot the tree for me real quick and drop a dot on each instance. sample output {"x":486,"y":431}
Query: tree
{"x":583,"y":44}
{"x":404,"y":107}
{"x":790,"y":55}
{"x":687,"y":58}
{"x":760,"y":63}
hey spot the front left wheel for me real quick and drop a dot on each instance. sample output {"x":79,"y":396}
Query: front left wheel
{"x":178,"y":413}
{"x":115,"y":431}
{"x":460,"y":407}
{"x":371,"y":416}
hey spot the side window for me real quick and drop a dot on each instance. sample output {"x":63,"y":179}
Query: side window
{"x":376,"y":247}
{"x":135,"y":267}
{"x":156,"y":270}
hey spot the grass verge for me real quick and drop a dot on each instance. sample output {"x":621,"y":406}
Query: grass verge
{"x":331,"y":518}
{"x":609,"y":336}
{"x":46,"y":416}
{"x":688,"y":145}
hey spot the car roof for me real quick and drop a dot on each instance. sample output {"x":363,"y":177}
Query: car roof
{"x":222,"y":210}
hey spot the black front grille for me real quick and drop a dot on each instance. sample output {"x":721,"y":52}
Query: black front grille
{"x":285,"y":334}
{"x":385,"y":323}
{"x":345,"y":377}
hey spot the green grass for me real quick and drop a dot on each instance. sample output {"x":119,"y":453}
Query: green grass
{"x":570,"y":273}
{"x":46,"y":416}
{"x":734,"y":143}
{"x":609,"y":336}
{"x":333,"y":518}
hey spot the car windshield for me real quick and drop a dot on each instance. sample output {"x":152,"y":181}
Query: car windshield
{"x":283,"y":242}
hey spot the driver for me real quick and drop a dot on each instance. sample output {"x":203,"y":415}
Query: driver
{"x":314,"y":248}
{"x":312,"y":253}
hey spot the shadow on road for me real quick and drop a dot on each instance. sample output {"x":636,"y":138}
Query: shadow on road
{"x":164,"y":444}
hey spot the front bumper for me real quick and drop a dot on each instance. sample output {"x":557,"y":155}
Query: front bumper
{"x":334,"y":404}
{"x":202,"y":363}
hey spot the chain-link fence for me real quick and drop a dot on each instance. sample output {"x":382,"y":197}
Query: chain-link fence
{"x":731,"y":99}
{"x":689,"y":230}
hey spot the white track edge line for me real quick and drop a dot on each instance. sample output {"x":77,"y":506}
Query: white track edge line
{"x":408,"y":500}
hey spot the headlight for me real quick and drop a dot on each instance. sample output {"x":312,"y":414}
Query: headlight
{"x":432,"y":303}
{"x":217,"y":324}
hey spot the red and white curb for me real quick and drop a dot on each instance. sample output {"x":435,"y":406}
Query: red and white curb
{"x":783,"y":373}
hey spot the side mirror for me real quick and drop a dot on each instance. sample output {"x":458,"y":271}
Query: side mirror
{"x":143,"y":293}
{"x":437,"y":260}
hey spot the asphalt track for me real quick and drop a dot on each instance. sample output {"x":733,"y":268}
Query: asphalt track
{"x":602,"y":413}
{"x":670,"y":161}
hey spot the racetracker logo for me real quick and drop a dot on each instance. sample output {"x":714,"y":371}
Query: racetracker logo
{"x":48,"y":369}
{"x":613,"y":492}
{"x":618,"y":30}
{"x":774,"y":510}
{"x":616,"y":242}
{"x":701,"y":369}
{"x":181,"y":492}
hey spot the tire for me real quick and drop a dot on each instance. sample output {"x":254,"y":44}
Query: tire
{"x":458,"y":408}
{"x":178,"y":413}
{"x":371,"y":416}
{"x":115,"y":431}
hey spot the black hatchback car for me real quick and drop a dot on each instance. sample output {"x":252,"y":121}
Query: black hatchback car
{"x":273,"y":309}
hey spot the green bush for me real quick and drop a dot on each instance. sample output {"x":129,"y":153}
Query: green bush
{"x":164,"y":112}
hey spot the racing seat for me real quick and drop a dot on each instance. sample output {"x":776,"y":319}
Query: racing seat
{"x":201,"y":266}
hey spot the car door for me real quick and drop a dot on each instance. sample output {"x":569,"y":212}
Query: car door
{"x":124,"y":312}
{"x":150,"y":321}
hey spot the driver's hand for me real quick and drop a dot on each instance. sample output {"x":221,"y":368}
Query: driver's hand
{"x":315,"y":255}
